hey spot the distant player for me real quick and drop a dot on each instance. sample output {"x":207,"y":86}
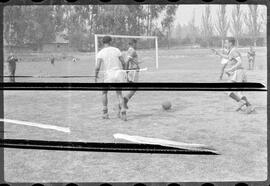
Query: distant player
{"x":232,"y":66}
{"x":52,"y":60}
{"x":114,"y":66}
{"x":132,"y":64}
{"x":251,"y":58}
{"x":12,"y":60}
{"x":75,"y":60}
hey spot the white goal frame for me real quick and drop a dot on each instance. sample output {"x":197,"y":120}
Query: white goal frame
{"x":127,"y":36}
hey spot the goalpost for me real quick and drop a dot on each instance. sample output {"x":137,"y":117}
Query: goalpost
{"x":155,"y":38}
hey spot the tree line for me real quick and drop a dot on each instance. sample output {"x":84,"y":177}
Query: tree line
{"x":36,"y":25}
{"x":248,"y":27}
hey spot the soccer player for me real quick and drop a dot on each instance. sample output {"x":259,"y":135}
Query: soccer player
{"x":52,"y":60}
{"x":223,"y":62}
{"x":114,"y":65}
{"x":74,"y":60}
{"x":132,"y":64}
{"x":12,"y":59}
{"x":234,"y":69}
{"x":251,"y":58}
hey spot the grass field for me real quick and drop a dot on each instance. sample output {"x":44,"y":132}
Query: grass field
{"x":196,"y":117}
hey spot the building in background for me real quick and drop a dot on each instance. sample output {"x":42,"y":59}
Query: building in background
{"x":59,"y":45}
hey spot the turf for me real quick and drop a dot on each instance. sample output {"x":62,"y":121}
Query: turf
{"x":196,"y":117}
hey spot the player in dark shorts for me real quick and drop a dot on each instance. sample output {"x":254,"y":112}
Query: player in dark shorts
{"x":12,"y":60}
{"x":251,"y":58}
{"x":133,"y":64}
{"x":52,"y":60}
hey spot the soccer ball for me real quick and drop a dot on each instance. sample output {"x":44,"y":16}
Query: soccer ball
{"x":166,"y":105}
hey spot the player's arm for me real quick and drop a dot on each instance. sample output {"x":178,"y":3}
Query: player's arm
{"x":225,"y":56}
{"x":124,"y":65}
{"x":97,"y":68}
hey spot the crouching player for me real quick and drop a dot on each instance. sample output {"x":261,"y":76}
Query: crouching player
{"x":232,"y":66}
{"x":113,"y":65}
{"x":132,"y":65}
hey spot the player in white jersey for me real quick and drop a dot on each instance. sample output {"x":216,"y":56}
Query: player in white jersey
{"x":132,"y":64}
{"x":113,"y":65}
{"x":232,"y":66}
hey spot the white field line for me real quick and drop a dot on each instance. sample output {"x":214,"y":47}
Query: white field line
{"x":39,"y":125}
{"x":162,"y":142}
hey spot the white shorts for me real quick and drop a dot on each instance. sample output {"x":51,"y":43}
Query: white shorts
{"x":115,"y":76}
{"x":238,"y":76}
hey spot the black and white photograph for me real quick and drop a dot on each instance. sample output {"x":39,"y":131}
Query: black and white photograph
{"x":208,"y":136}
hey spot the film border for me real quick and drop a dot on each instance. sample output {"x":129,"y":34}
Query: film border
{"x":81,"y":2}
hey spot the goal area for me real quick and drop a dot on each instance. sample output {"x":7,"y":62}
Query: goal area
{"x":147,"y":48}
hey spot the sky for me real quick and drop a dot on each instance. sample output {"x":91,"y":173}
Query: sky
{"x":184,"y":13}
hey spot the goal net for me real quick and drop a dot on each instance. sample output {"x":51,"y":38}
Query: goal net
{"x":147,"y":48}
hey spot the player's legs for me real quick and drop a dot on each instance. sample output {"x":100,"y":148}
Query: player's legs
{"x":249,"y":64}
{"x":13,"y":72}
{"x":245,"y":101}
{"x":11,"y":68}
{"x":234,"y":96}
{"x":128,"y":97}
{"x":233,"y":78}
{"x":118,"y":109}
{"x":240,"y":76}
{"x":240,"y":99}
{"x":105,"y":104}
{"x":253,"y":63}
{"x":244,"y":98}
{"x":121,"y":107}
{"x":131,"y":93}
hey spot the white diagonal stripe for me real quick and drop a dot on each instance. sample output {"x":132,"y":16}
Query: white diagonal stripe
{"x":39,"y":125}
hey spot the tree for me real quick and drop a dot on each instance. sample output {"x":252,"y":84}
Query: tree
{"x":152,"y":12}
{"x":79,"y":23}
{"x":177,"y":32}
{"x":15,"y":24}
{"x":29,"y":24}
{"x":252,"y":22}
{"x":237,"y":23}
{"x":263,"y":16}
{"x":207,"y":26}
{"x":192,"y":29}
{"x":222,"y":25}
{"x":168,"y":21}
